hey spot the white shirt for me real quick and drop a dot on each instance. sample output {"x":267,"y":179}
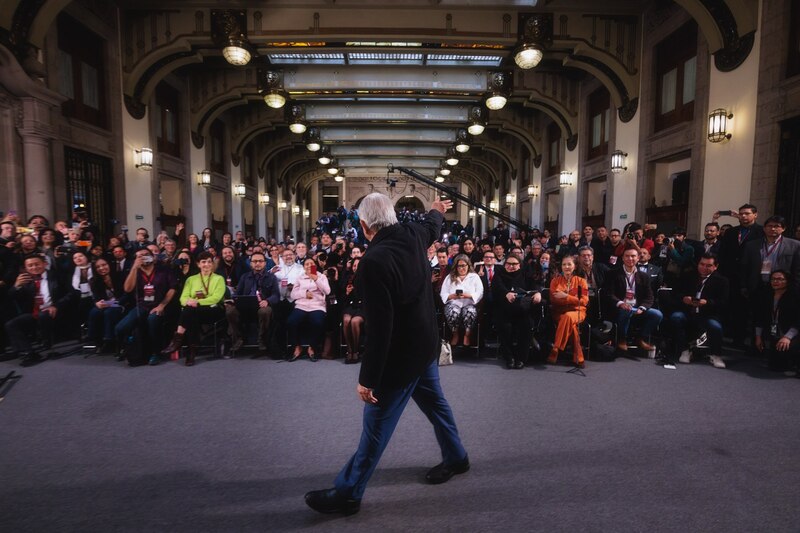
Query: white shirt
{"x":289,"y":275}
{"x":470,"y":285}
{"x":44,"y":290}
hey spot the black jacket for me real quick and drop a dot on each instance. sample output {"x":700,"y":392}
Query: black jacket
{"x":616,"y":287}
{"x":268,"y":286}
{"x":60,"y":294}
{"x":730,"y":250}
{"x":715,"y":292}
{"x":395,"y":276}
{"x":788,"y":314}
{"x":506,"y":282}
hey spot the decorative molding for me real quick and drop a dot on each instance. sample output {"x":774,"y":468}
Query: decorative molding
{"x":735,"y":53}
{"x":628,"y":110}
{"x":136,"y":109}
{"x":198,"y":140}
{"x":572,"y":142}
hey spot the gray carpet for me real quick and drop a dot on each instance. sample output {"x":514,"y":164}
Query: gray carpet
{"x":92,"y":445}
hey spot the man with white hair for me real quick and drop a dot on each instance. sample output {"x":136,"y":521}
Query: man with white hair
{"x":400,"y":359}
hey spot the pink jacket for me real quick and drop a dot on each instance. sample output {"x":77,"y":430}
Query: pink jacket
{"x":319,"y":290}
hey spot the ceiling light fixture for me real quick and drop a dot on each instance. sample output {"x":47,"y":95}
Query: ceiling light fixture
{"x":228,"y":32}
{"x":440,"y":179}
{"x":443,"y":170}
{"x":271,"y":88}
{"x":297,"y":118}
{"x":535,"y":34}
{"x":499,"y":89}
{"x":452,"y":156}
{"x":463,"y":140}
{"x":324,"y":155}
{"x":312,"y":140}
{"x":478,"y":117}
{"x":333,"y":167}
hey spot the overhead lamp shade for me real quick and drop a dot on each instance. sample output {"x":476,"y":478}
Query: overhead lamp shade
{"x":718,"y":125}
{"x":236,"y":52}
{"x":496,"y":101}
{"x":298,"y":127}
{"x":494,"y":205}
{"x":528,"y":55}
{"x":478,"y":116}
{"x":618,"y":161}
{"x":463,"y":140}
{"x":144,"y":158}
{"x":263,"y":198}
{"x":338,"y":178}
{"x":452,"y":156}
{"x":533,"y":190}
{"x":333,"y":167}
{"x":439,"y":179}
{"x":324,"y":155}
{"x":565,"y":179}
{"x":204,"y":178}
{"x":274,"y":99}
{"x":444,"y":171}
{"x":312,"y":140}
{"x":296,"y":116}
{"x":499,"y":89}
{"x":475,"y":129}
{"x":239,"y":190}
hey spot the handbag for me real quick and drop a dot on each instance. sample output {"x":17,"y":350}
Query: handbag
{"x":445,"y":354}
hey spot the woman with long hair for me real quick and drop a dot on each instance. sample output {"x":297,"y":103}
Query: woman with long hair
{"x":461,"y":292}
{"x":352,"y":314}
{"x":309,"y":294}
{"x":193,"y":244}
{"x":777,"y":321}
{"x":108,"y":298}
{"x":569,"y":296}
{"x":207,"y":240}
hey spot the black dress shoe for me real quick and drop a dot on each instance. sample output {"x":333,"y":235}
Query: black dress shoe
{"x":442,"y":473}
{"x":30,"y":359}
{"x":329,"y":501}
{"x":520,"y":365}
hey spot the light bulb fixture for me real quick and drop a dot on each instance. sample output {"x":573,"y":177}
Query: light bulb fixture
{"x":295,"y":210}
{"x":228,"y":32}
{"x":312,"y":140}
{"x":463,"y":140}
{"x":511,"y":199}
{"x":718,"y":125}
{"x":478,"y":117}
{"x":494,"y":205}
{"x":271,"y":88}
{"x":535,"y":34}
{"x":338,"y":178}
{"x":204,"y":178}
{"x":324,"y":155}
{"x":240,"y":190}
{"x":533,"y":191}
{"x":282,"y":205}
{"x":443,"y":170}
{"x":452,"y":156}
{"x":333,"y":167}
{"x":263,"y":198}
{"x":306,"y":213}
{"x":471,"y":213}
{"x":499,"y":89}
{"x":565,"y":179}
{"x":296,"y":116}
{"x":618,"y":161}
{"x":440,"y":179}
{"x":144,"y":159}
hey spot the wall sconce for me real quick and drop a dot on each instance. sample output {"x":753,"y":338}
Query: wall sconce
{"x":227,"y":31}
{"x":494,"y":205}
{"x":536,"y":31}
{"x":499,"y":89}
{"x":511,"y":198}
{"x":282,"y":205}
{"x":718,"y":125}
{"x":478,"y":117}
{"x":240,"y":190}
{"x":565,"y":180}
{"x":306,"y":213}
{"x":452,"y":156}
{"x":533,"y":191}
{"x":618,"y":161}
{"x":270,"y":87}
{"x":324,"y":155}
{"x":463,"y":140}
{"x":312,"y":139}
{"x":263,"y":198}
{"x":471,"y":213}
{"x":295,"y":209}
{"x":204,"y":178}
{"x":481,"y":211}
{"x":144,"y":159}
{"x":296,"y":115}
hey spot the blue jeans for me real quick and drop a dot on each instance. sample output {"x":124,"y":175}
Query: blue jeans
{"x":105,"y":320}
{"x":150,"y":326}
{"x":648,"y":321}
{"x":381,"y":418}
{"x":680,"y":322}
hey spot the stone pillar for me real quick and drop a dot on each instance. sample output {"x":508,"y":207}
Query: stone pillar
{"x":37,"y":132}
{"x":278,"y":214}
{"x":568,"y":216}
{"x":292,"y":216}
{"x":536,"y":201}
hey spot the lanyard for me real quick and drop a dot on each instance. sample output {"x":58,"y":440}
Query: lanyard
{"x":206,"y":283}
{"x":767,"y":251}
{"x":630,"y":281}
{"x":148,"y":280}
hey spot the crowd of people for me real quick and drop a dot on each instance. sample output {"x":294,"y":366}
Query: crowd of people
{"x":611,"y":291}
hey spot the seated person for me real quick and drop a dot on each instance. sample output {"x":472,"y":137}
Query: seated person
{"x":653,"y":271}
{"x":261,"y":285}
{"x":201,"y":302}
{"x":569,"y":296}
{"x":513,"y":311}
{"x":461,"y":291}
{"x":352,"y":313}
{"x":82,"y":293}
{"x":309,"y":294}
{"x":108,"y":296}
{"x":595,"y":275}
{"x":230,"y":267}
{"x":630,"y":292}
{"x":152,"y":288}
{"x":700,"y":299}
{"x":39,"y":298}
{"x":777,"y":320}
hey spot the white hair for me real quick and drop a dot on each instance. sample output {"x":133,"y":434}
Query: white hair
{"x":377,"y":211}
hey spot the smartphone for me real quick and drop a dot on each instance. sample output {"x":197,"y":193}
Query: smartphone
{"x":725,"y":213}
{"x":459,"y":291}
{"x":314,"y":269}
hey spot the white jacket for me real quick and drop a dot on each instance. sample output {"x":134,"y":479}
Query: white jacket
{"x":472,"y":284}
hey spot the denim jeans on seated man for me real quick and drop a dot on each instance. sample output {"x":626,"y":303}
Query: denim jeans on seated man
{"x":150,"y":324}
{"x":647,"y":321}
{"x":680,"y":323}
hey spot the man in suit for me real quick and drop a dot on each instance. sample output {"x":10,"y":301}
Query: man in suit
{"x":39,"y":297}
{"x":630,"y":292}
{"x":710,"y":244}
{"x":595,"y":275}
{"x":263,"y":285}
{"x":772,"y":252}
{"x":654,"y":272}
{"x":700,"y":299}
{"x":400,"y":360}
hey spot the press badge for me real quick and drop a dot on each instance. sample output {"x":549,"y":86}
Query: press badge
{"x":766,"y":267}
{"x":149,"y":293}
{"x":199,"y":295}
{"x":630,"y":298}
{"x":773,"y":330}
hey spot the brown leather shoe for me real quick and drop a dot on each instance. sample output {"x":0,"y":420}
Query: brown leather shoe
{"x":191,"y":356}
{"x":622,"y":346}
{"x":644,"y":345}
{"x":174,"y":345}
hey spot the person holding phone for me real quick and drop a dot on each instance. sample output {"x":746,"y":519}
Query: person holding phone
{"x":461,"y":292}
{"x":309,"y":295}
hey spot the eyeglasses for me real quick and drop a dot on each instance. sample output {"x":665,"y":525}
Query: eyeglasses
{"x":461,"y":265}
{"x":782,"y":280}
{"x":257,"y":261}
{"x":512,"y":264}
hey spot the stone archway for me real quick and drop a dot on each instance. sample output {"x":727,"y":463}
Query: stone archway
{"x":411,"y":203}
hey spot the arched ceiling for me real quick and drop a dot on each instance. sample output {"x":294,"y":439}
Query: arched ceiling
{"x":384,"y":81}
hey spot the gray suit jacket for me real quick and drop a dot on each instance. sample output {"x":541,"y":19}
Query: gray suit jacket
{"x":786,"y":257}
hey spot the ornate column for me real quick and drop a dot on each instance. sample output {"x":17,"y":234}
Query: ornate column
{"x":36,"y":133}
